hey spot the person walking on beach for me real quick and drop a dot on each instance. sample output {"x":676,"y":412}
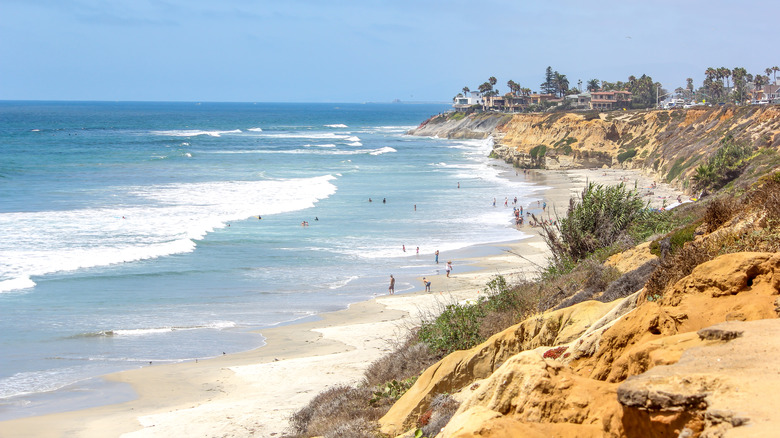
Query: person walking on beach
{"x":436,"y":254}
{"x":427,"y":285}
{"x":494,"y":202}
{"x":448,"y":269}
{"x":391,"y":289}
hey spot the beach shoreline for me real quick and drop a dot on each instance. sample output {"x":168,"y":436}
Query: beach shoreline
{"x":253,"y":393}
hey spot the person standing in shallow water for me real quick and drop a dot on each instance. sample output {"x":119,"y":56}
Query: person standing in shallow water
{"x":436,"y":254}
{"x":448,"y":269}
{"x":391,"y":289}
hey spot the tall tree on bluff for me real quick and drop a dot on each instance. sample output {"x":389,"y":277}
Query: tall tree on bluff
{"x":644,"y":91}
{"x":486,"y":89}
{"x":741,"y":79}
{"x":548,"y":86}
{"x":759,"y":81}
{"x":561,"y":83}
{"x":593,"y":85}
{"x":725,"y":73}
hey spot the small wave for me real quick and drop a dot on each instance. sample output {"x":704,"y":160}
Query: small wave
{"x":255,"y":129}
{"x":355,"y":144}
{"x":218,"y":325}
{"x":336,"y":125}
{"x":327,"y":145}
{"x":342,"y":283}
{"x":353,"y":138}
{"x":35,"y":130}
{"x":383,"y":150}
{"x":185,"y":144}
{"x":16,"y":284}
{"x":195,"y":133}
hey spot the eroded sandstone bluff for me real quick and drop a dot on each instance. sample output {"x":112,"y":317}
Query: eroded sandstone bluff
{"x":700,"y":361}
{"x":666,"y":144}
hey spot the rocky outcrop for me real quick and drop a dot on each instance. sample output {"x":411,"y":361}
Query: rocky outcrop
{"x":666,"y":144}
{"x":700,"y":361}
{"x":474,"y":126}
{"x":462,"y":368}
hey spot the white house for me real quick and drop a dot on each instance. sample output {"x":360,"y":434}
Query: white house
{"x":464,"y":102}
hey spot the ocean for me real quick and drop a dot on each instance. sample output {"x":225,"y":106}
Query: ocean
{"x":162,"y":232}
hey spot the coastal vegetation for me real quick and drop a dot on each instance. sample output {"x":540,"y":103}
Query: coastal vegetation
{"x":354,"y":411}
{"x":720,"y":85}
{"x":741,"y":214}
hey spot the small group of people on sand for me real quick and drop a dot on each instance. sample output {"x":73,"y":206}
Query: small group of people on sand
{"x":426,"y":282}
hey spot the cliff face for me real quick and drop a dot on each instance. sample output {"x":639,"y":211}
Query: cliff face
{"x":668,"y":145}
{"x":699,"y":362}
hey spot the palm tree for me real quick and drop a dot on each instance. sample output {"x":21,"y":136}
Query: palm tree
{"x":741,"y":78}
{"x":689,"y":83}
{"x":466,"y":91}
{"x":593,"y":85}
{"x":561,"y":83}
{"x":759,"y":81}
{"x":775,"y":69}
{"x":492,"y":80}
{"x":710,"y":73}
{"x":725,"y":73}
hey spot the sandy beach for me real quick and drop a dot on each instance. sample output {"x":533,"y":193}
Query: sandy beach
{"x":254,"y":393}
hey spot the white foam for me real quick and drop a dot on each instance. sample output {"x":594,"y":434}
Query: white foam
{"x":383,"y":150}
{"x":337,"y":125}
{"x":355,"y":144}
{"x":173,"y":218}
{"x":194,"y":133}
{"x":341,"y":283}
{"x":255,"y":129}
{"x":310,"y":135}
{"x":19,"y":283}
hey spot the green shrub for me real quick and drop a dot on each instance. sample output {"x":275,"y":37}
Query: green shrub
{"x":538,"y":151}
{"x":676,"y":169}
{"x":456,"y":328}
{"x":391,"y":391}
{"x":724,"y":166}
{"x":627,"y":155}
{"x":601,"y":218}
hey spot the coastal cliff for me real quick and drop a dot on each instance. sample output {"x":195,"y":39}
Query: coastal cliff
{"x":665,"y":144}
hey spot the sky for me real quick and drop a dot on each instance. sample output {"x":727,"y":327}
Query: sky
{"x":364,"y":50}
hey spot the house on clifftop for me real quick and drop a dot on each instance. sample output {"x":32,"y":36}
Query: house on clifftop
{"x":463,"y":103}
{"x":610,"y":100}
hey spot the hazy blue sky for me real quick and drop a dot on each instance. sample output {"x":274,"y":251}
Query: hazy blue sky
{"x":364,"y":50}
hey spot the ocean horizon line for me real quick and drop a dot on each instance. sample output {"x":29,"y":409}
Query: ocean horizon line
{"x":250,"y":102}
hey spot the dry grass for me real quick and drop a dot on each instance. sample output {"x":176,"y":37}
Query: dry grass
{"x":341,"y":411}
{"x":719,"y":211}
{"x":410,"y":358}
{"x":443,"y":407}
{"x":629,"y":282}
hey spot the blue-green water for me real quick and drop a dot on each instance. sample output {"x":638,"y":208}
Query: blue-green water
{"x":129,"y":232}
